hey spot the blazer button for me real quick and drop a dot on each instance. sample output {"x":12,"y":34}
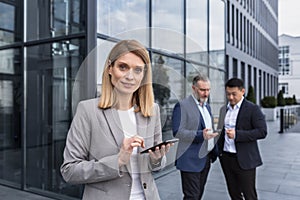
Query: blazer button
{"x":145,"y":185}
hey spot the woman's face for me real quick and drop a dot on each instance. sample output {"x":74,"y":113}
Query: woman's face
{"x":127,"y":73}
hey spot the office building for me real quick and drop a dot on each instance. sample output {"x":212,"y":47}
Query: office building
{"x":289,"y":66}
{"x":252,"y":44}
{"x":49,"y":55}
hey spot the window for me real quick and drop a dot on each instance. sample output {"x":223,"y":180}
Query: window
{"x":10,"y":23}
{"x":284,"y":87}
{"x":168,"y":15}
{"x":168,"y":86}
{"x":284,"y":60}
{"x":115,"y":17}
{"x":234,"y":67}
{"x":54,"y":18}
{"x":196,"y":30}
{"x":11,"y":98}
{"x":52,"y":74}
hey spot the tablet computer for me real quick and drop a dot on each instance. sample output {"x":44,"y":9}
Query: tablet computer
{"x":160,"y":144}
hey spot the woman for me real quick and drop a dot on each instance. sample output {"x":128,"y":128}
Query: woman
{"x":106,"y":135}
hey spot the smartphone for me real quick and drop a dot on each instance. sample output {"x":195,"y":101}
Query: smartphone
{"x":174,"y":140}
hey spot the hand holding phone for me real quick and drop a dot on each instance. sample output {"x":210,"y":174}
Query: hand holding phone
{"x":174,"y":140}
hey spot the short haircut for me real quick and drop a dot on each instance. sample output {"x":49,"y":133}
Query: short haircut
{"x":200,"y":77}
{"x":235,"y":82}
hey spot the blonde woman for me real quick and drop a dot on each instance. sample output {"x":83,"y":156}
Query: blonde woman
{"x":107,"y":134}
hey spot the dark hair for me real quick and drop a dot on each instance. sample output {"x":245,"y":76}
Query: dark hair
{"x":235,"y":82}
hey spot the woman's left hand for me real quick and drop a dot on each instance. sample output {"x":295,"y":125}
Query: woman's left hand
{"x":157,"y":155}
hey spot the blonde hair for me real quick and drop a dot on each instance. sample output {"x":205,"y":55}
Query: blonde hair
{"x":143,"y":97}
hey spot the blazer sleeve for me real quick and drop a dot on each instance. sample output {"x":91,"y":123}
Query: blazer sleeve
{"x":77,"y":168}
{"x":251,"y":125}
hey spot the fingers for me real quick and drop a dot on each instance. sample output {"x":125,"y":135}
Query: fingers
{"x":230,"y":133}
{"x":160,"y":152}
{"x":137,"y":141}
{"x":130,"y":143}
{"x":208,"y":134}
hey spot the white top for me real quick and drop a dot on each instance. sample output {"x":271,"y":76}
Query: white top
{"x":128,"y":122}
{"x":230,"y":122}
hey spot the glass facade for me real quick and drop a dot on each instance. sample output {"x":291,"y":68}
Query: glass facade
{"x":51,"y":73}
{"x":44,"y":71}
{"x":11,"y":98}
{"x":115,"y":17}
{"x":197,"y":31}
{"x":168,"y":15}
{"x":49,"y":19}
{"x":10,"y":22}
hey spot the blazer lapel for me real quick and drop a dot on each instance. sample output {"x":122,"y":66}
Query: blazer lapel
{"x":141,"y":123}
{"x":243,"y":109}
{"x":142,"y":130}
{"x":194,"y":109}
{"x":114,"y":124}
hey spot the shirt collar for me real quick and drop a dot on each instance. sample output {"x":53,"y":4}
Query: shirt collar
{"x":238,"y":105}
{"x":197,"y":102}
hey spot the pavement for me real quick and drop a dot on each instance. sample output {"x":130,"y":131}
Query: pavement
{"x":278,"y":178}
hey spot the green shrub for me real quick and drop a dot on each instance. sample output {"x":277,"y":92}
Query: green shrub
{"x":280,"y":99}
{"x":289,"y":101}
{"x":268,"y":102}
{"x":295,"y":100}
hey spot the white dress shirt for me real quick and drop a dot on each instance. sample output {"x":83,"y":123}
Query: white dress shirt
{"x":230,"y":122}
{"x":207,"y":121}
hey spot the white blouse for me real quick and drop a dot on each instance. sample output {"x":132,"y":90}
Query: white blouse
{"x":128,"y":122}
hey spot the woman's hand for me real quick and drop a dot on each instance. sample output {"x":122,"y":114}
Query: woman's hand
{"x":127,"y":148}
{"x":156,"y":156}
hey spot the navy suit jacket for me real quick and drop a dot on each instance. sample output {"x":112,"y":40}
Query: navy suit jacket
{"x":188,"y":125}
{"x":250,"y":127}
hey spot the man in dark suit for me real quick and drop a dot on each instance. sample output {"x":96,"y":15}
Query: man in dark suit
{"x":192,"y":123}
{"x":242,"y":124}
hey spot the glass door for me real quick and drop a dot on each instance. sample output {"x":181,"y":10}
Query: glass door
{"x":51,"y":72}
{"x":11,"y":98}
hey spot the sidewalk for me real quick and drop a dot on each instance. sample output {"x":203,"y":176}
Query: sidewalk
{"x":278,"y":178}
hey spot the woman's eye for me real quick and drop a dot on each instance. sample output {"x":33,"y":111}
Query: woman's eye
{"x":138,"y":70}
{"x":123,"y":67}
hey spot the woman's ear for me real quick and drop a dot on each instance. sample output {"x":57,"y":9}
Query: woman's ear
{"x":109,"y":69}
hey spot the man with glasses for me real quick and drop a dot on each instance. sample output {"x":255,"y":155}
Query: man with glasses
{"x":192,"y":123}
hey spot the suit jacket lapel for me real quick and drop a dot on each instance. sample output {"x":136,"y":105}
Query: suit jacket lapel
{"x":194,"y":108}
{"x":242,"y":110}
{"x":114,"y":123}
{"x":141,"y":123}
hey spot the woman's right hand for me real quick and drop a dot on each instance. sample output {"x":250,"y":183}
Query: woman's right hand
{"x":127,"y":148}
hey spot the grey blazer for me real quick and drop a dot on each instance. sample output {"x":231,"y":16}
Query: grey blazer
{"x":91,"y":153}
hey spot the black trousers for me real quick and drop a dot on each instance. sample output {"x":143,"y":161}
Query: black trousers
{"x":193,"y":183}
{"x":240,"y":182}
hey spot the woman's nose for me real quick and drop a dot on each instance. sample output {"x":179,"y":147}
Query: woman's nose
{"x":129,"y":74}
